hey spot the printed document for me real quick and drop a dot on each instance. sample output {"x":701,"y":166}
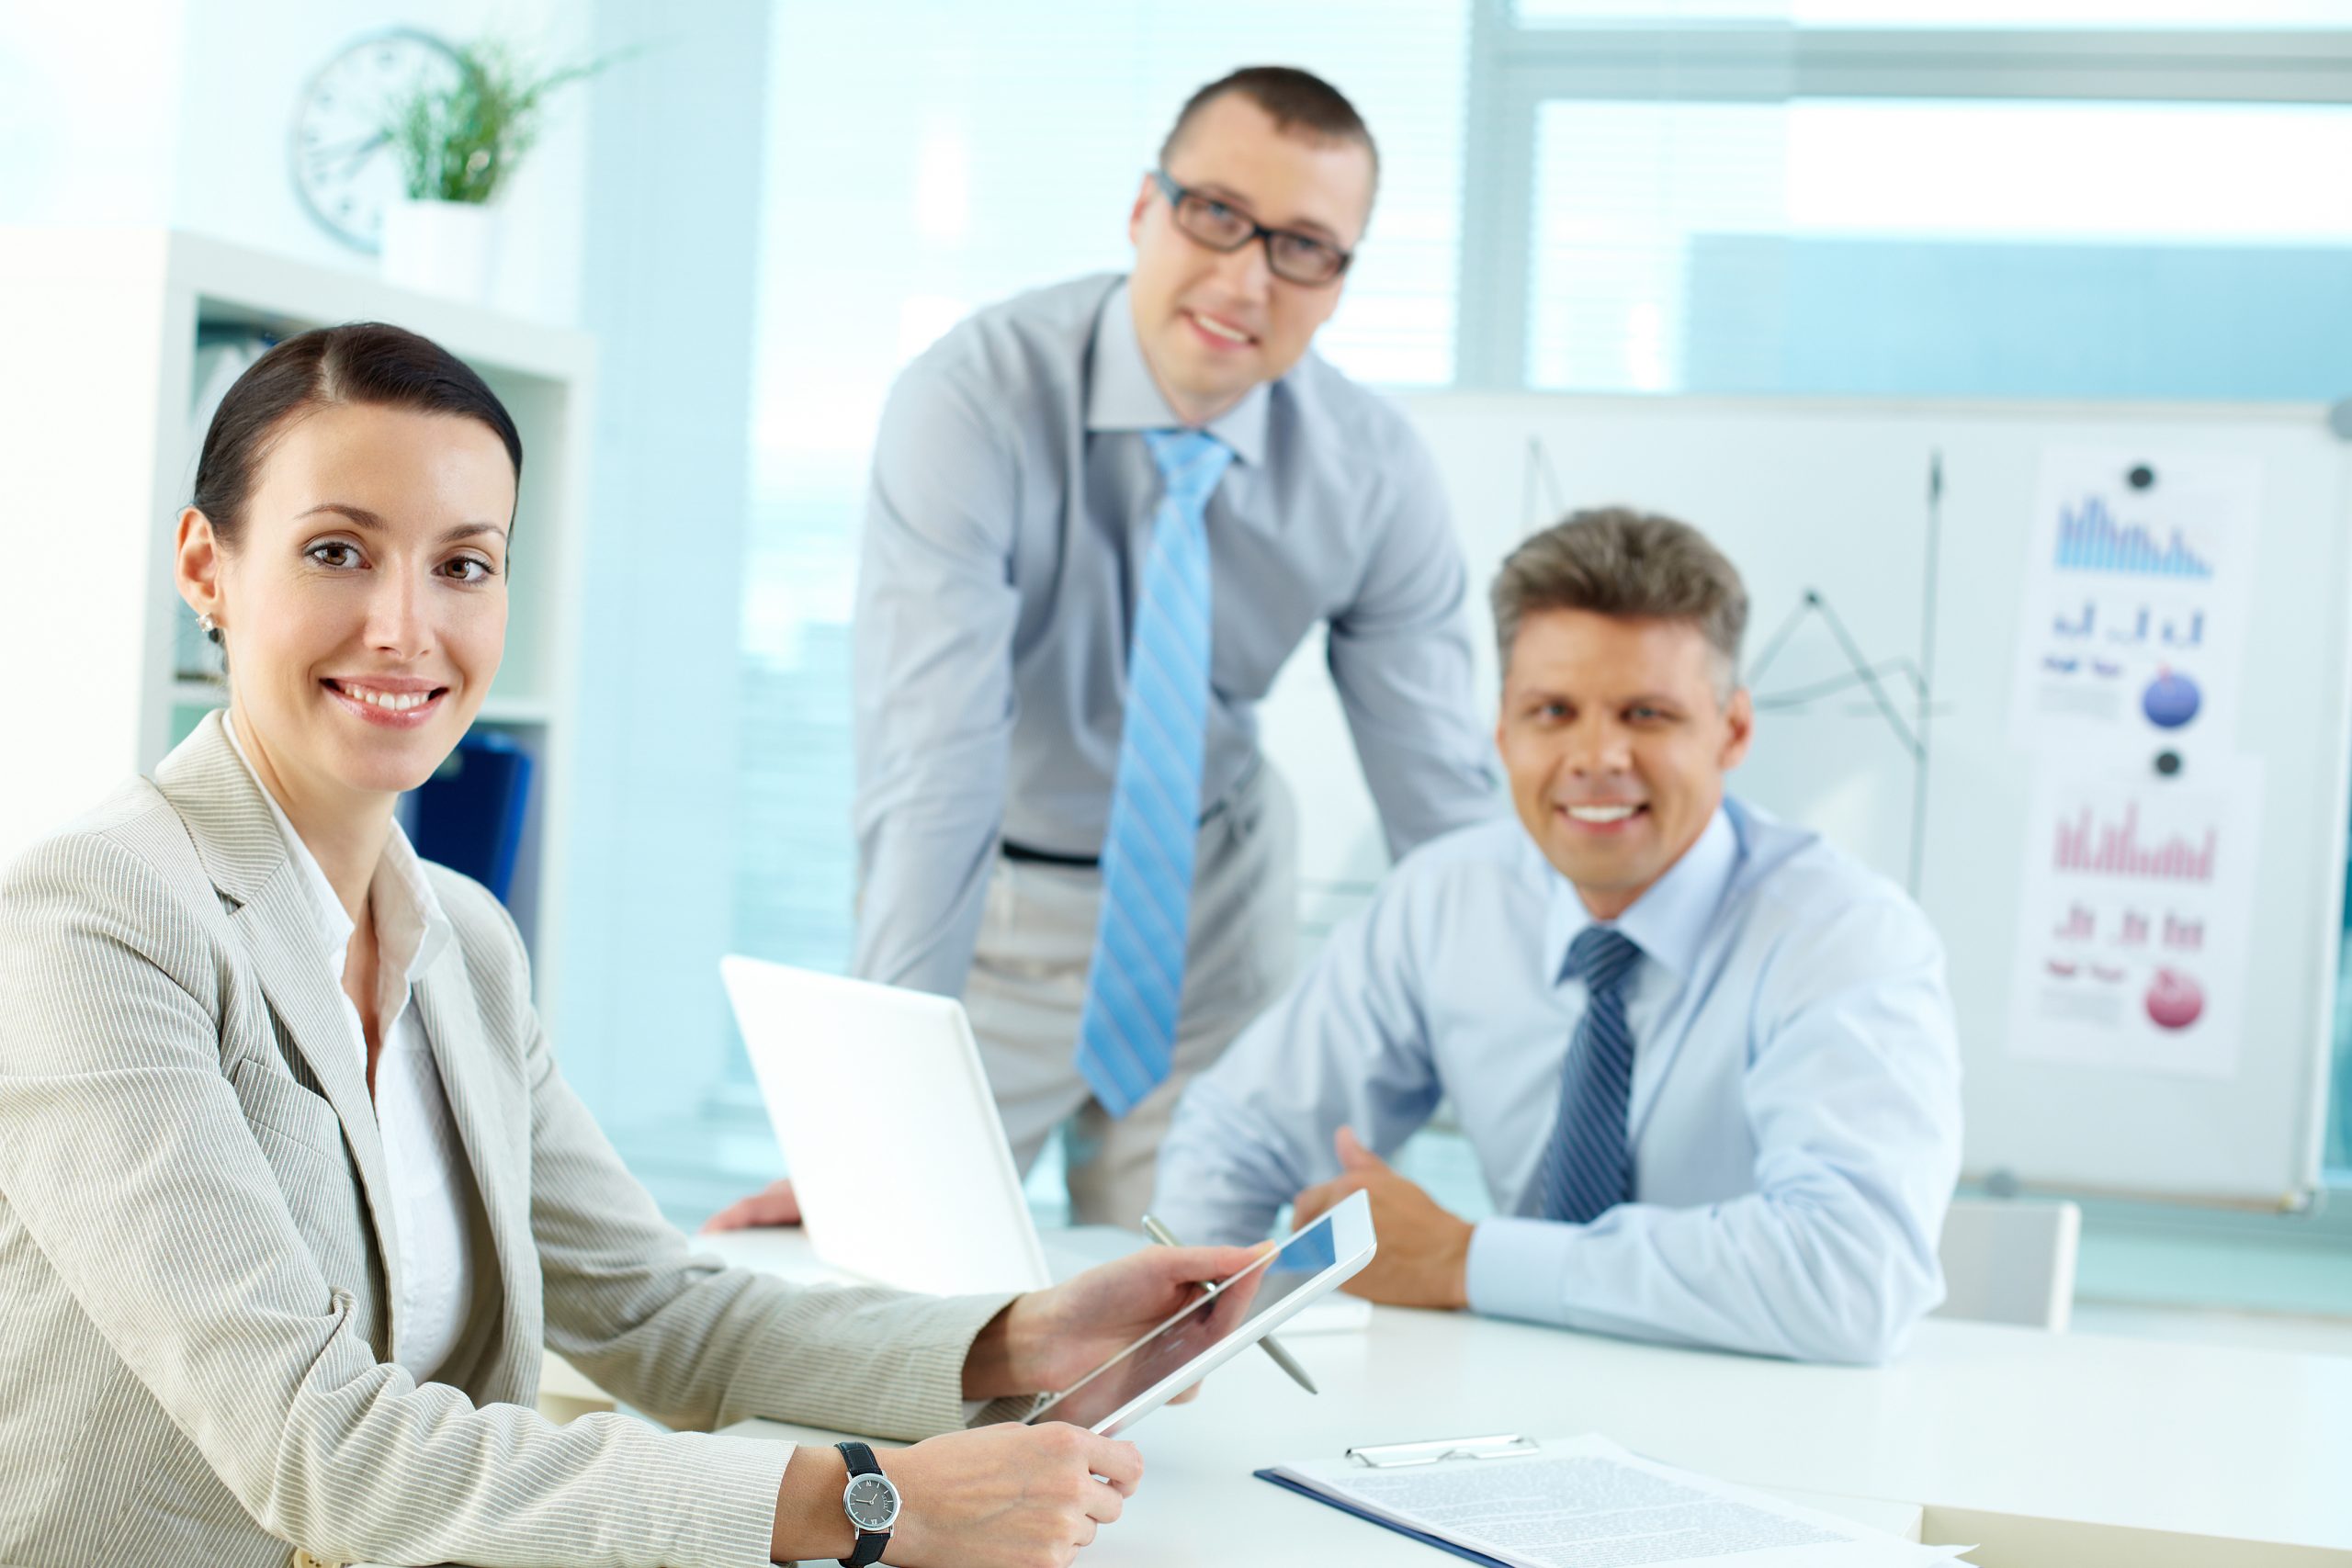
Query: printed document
{"x":1587,"y":1503}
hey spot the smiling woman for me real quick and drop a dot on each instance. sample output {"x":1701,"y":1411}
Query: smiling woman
{"x":344,"y":1198}
{"x":374,"y":534}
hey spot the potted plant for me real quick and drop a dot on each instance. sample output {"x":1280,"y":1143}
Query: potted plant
{"x":457,"y":146}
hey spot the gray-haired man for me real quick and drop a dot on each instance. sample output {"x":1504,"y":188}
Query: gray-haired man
{"x":1707,"y":1062}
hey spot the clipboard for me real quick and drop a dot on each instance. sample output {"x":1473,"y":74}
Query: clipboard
{"x":1400,"y":1456}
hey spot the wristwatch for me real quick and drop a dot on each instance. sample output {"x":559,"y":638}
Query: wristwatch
{"x":871,"y":1502}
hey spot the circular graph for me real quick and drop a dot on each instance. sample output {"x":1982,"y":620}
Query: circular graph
{"x":2171,"y":700}
{"x":2175,"y":1002}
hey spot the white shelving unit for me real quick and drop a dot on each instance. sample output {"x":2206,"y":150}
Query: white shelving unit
{"x":97,"y":455}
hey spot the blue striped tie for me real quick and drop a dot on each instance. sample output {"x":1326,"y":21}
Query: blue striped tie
{"x":1127,"y":1032}
{"x":1588,"y":1169}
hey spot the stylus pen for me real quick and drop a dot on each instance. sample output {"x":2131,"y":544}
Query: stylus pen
{"x":1283,"y":1357}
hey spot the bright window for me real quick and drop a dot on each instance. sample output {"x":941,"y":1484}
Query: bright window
{"x":1657,"y":221}
{"x":2136,"y":15}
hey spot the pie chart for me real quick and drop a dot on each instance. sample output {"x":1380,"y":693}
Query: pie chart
{"x":2171,"y":700}
{"x":2175,"y":1002}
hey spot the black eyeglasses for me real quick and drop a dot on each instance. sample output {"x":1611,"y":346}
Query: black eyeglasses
{"x":1293,"y":257}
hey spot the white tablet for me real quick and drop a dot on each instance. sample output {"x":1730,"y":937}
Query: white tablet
{"x":1231,"y":1316}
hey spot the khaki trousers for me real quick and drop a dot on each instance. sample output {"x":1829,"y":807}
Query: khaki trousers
{"x":1028,"y":984}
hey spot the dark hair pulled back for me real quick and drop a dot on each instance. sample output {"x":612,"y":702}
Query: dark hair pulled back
{"x":361,"y":362}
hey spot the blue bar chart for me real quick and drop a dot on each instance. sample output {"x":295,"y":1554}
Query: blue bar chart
{"x":2090,"y":539}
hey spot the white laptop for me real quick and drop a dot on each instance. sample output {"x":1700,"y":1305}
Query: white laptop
{"x":896,"y":1150}
{"x":892,"y":1139}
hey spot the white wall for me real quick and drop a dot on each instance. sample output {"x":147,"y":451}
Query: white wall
{"x":175,"y":112}
{"x":667,"y":287}
{"x":89,"y":100}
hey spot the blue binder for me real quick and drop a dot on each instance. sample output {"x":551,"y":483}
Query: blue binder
{"x":468,"y":816}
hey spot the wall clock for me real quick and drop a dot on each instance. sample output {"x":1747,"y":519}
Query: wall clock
{"x":339,"y":148}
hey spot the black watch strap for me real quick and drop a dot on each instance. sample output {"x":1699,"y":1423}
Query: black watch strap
{"x":861,"y":1462}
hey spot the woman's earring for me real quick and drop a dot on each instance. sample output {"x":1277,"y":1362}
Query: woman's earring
{"x":208,"y":626}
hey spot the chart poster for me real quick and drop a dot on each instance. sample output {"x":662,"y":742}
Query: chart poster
{"x":2137,"y":585}
{"x":2139,"y":896}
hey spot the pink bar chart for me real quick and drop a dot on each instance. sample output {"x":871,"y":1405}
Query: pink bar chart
{"x":2114,"y":849}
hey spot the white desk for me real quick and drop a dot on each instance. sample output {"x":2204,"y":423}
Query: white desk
{"x":2055,"y":1450}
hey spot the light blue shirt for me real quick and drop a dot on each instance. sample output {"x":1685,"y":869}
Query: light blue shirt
{"x":999,"y":568}
{"x":1796,"y":1103}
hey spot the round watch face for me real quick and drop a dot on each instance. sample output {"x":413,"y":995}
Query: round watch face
{"x":872,"y":1501}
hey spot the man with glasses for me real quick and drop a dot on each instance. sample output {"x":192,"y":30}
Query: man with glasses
{"x":1102,"y":516}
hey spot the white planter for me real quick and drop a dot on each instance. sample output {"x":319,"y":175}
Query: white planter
{"x":450,"y":248}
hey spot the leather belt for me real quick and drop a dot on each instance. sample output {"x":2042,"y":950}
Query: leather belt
{"x":1046,"y":857}
{"x":1027,"y":855}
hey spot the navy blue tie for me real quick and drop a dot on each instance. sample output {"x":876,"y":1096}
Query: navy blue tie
{"x":1589,"y":1167}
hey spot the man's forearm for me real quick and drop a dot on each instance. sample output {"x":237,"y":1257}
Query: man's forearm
{"x":1740,"y":1275}
{"x":1217,"y":1189}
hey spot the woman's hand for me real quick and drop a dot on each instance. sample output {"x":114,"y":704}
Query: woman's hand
{"x":1014,"y":1495}
{"x":1002,"y":1497}
{"x":1048,"y":1339}
{"x":1007,"y":1497}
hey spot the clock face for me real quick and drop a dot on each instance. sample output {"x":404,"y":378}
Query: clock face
{"x":873,"y":1503}
{"x":340,"y":148}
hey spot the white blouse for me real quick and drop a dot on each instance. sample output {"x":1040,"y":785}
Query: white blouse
{"x":424,"y":1162}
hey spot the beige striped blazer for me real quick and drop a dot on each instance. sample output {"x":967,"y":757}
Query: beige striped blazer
{"x":194,"y":1338}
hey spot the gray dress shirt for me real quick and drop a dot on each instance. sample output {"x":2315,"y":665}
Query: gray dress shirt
{"x":1005,"y":536}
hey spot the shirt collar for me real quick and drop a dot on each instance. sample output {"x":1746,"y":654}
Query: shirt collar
{"x":1670,"y":921}
{"x":1121,"y":394}
{"x":411,"y":926}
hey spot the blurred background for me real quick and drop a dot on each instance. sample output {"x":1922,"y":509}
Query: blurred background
{"x":743,"y":218}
